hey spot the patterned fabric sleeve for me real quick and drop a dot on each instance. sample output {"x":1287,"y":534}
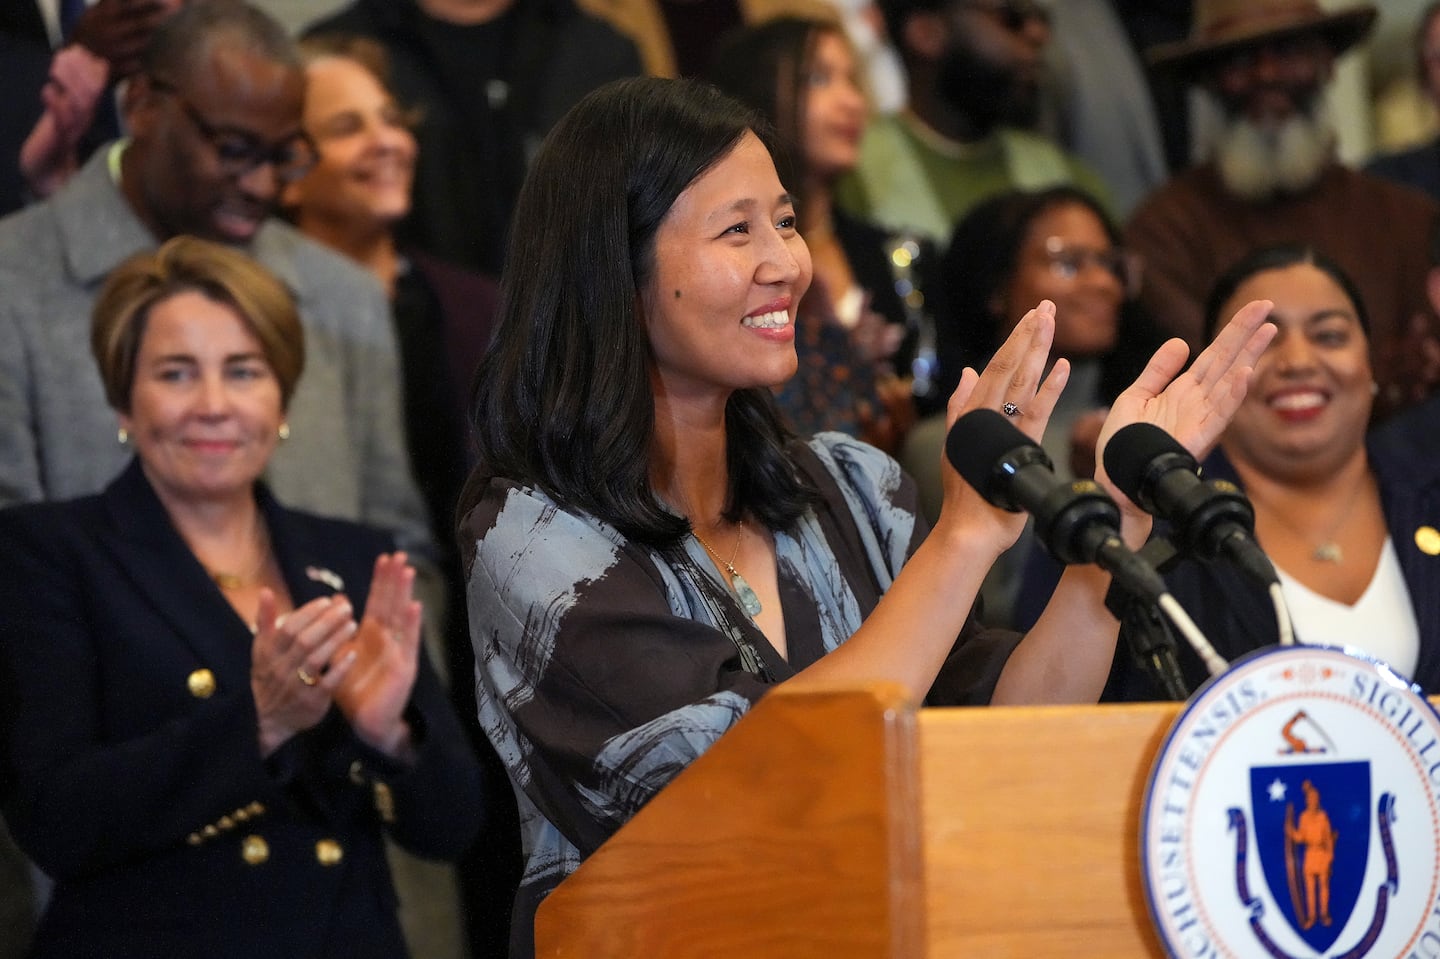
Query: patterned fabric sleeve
{"x":596,"y":682}
{"x":884,"y":504}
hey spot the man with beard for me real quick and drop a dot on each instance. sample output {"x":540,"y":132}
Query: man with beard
{"x":1273,"y":178}
{"x":974,"y":71}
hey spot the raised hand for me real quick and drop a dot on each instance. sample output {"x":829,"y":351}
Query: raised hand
{"x":1015,"y":381}
{"x":294,"y":667}
{"x":1197,"y":405}
{"x":384,"y":657}
{"x":50,"y":154}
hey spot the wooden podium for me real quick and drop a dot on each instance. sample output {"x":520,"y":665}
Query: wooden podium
{"x":847,"y":823}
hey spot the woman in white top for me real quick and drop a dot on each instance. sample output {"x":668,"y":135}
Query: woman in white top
{"x":1345,"y":522}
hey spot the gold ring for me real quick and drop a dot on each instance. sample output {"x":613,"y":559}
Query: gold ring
{"x":306,"y":678}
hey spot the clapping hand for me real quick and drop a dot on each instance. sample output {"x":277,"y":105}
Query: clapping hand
{"x":1197,"y":405}
{"x":382,"y":658}
{"x":1015,"y":382}
{"x":294,"y":669}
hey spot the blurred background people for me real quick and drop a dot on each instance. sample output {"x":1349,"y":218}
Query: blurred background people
{"x":803,"y":76}
{"x":1274,"y":177}
{"x":974,"y":72}
{"x":351,"y":201}
{"x":677,"y":38}
{"x":1419,"y":166}
{"x":60,"y":62}
{"x":247,"y":704}
{"x":1105,"y":111}
{"x":1020,"y":247}
{"x":488,"y":79}
{"x":215,"y":120}
{"x":1350,"y":523}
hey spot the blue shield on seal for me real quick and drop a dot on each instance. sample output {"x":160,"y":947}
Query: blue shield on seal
{"x":1312,"y":830}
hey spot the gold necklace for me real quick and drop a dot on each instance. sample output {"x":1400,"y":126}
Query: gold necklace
{"x":1327,"y":550}
{"x":748,"y":600}
{"x":240,"y":580}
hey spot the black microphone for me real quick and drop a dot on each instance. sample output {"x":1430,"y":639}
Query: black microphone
{"x":1076,"y":522}
{"x":1210,"y":518}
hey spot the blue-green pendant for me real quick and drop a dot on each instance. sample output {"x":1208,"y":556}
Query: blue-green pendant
{"x":748,"y":600}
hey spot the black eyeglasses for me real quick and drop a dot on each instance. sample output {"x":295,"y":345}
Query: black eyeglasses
{"x":240,"y":152}
{"x":1014,"y":15}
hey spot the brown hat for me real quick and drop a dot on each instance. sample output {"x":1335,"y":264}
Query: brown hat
{"x":1224,"y":26}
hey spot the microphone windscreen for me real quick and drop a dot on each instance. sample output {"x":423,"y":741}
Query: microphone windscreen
{"x":978,"y":441}
{"x":1132,"y":450}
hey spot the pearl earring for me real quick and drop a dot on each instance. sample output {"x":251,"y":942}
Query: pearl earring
{"x":284,"y":431}
{"x":123,"y":435}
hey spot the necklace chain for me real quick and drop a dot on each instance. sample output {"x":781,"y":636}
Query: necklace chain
{"x":729,"y":564}
{"x":749,"y":601}
{"x":1327,"y":550}
{"x":228,"y":580}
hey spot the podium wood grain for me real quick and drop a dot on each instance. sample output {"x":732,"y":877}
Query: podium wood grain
{"x":846,"y":823}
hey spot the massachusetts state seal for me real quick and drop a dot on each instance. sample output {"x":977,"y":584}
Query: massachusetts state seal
{"x":1294,"y":811}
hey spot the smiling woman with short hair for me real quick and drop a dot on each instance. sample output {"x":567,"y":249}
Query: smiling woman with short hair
{"x":215,"y":707}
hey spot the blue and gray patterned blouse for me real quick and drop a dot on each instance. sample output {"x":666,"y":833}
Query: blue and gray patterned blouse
{"x":604,"y":667}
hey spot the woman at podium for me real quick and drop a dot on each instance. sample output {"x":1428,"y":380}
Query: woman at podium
{"x":649,"y":550}
{"x":1349,"y":524}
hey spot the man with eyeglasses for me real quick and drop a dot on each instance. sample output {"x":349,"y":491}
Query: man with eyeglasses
{"x":975,"y":70}
{"x":1273,"y":177}
{"x":215,"y":121}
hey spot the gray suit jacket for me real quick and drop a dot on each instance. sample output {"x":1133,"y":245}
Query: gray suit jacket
{"x":346,"y":456}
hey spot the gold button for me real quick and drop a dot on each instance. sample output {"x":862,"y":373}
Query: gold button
{"x":241,"y":815}
{"x":225,"y":822}
{"x":384,"y":802}
{"x":194,"y":839}
{"x":210,"y":832}
{"x":357,"y":773}
{"x":201,"y":683}
{"x":1428,"y":539}
{"x":256,"y":808}
{"x":255,"y":850}
{"x":328,"y":852}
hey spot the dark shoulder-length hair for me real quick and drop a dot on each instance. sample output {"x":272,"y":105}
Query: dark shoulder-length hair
{"x":981,"y":261}
{"x":1277,"y":257}
{"x":766,"y":67}
{"x":563,"y":399}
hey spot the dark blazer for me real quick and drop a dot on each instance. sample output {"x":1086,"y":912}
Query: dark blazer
{"x":1418,"y":167}
{"x":1236,"y":614}
{"x":131,"y":772}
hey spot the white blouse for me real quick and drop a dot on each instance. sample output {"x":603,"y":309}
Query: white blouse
{"x":1381,"y":623}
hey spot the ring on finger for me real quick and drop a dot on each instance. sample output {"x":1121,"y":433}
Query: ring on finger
{"x":306,"y":677}
{"x":1010,"y":409}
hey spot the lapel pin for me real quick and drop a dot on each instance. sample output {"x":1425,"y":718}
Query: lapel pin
{"x":322,"y":575}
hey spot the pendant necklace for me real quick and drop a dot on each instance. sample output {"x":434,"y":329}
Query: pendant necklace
{"x":748,"y":600}
{"x":1328,"y":550}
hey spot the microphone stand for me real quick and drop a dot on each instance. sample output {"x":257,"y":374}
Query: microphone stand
{"x":1146,"y":631}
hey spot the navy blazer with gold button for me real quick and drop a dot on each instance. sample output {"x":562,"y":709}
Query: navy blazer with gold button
{"x":1236,"y":614}
{"x":131,"y":770}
